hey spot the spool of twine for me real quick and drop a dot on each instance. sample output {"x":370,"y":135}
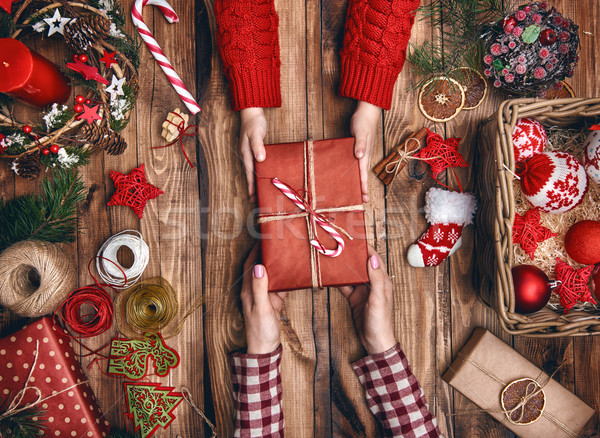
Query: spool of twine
{"x":147,"y":307}
{"x":35,"y":277}
{"x":109,"y":268}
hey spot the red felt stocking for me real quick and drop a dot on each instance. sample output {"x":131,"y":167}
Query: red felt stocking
{"x":447,"y":212}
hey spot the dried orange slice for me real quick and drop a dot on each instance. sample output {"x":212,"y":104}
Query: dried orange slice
{"x":441,"y":99}
{"x":565,"y":92}
{"x":474,"y":85}
{"x":523,"y":401}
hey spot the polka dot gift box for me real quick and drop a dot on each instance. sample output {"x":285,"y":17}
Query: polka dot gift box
{"x":70,"y":407}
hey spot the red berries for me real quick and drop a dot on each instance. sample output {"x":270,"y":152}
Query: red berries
{"x":78,"y":108}
{"x":79,"y":98}
{"x":83,"y":58}
{"x":54,"y":148}
{"x":45,"y":151}
{"x":548,"y":37}
{"x":27,"y":129}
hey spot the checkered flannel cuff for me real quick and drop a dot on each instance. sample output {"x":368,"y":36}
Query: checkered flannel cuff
{"x":395,"y":396}
{"x":257,"y":393}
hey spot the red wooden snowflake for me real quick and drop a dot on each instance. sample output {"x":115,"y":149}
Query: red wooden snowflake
{"x":573,"y":286}
{"x":527,"y":231}
{"x":132,"y":190}
{"x":441,"y":154}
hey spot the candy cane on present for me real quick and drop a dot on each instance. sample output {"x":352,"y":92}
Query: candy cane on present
{"x":319,"y":219}
{"x":174,"y":79}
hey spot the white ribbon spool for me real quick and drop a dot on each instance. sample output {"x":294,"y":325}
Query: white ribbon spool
{"x":108,"y":266}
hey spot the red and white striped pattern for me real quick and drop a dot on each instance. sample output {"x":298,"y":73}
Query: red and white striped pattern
{"x":319,"y":219}
{"x":174,"y":79}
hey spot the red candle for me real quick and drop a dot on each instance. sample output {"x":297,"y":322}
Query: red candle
{"x":30,"y":77}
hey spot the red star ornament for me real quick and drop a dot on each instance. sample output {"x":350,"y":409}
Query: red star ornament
{"x":6,"y":5}
{"x":573,"y":284}
{"x":108,"y":59}
{"x":87,"y":71}
{"x":132,"y":190}
{"x":89,"y":114}
{"x":441,"y":154}
{"x":528,"y":232}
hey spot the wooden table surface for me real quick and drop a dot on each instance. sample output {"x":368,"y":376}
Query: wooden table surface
{"x":200,"y":231}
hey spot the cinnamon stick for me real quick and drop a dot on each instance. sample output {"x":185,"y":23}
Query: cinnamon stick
{"x":407,"y":146}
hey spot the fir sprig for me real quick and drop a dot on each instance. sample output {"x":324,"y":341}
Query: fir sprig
{"x":461,"y":24}
{"x":7,"y":25}
{"x":21,"y":424}
{"x":51,"y":216}
{"x":74,"y":157}
{"x":129,"y":47}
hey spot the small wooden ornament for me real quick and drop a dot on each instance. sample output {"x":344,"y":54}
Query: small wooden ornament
{"x":170,"y":126}
{"x":390,"y":166}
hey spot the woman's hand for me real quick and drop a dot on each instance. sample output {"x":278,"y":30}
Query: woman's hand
{"x":262,"y":310}
{"x":252,"y":135}
{"x":372,"y":307}
{"x":363,"y":126}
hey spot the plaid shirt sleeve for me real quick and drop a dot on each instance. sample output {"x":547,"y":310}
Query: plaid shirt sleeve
{"x":395,"y":396}
{"x":257,"y":394}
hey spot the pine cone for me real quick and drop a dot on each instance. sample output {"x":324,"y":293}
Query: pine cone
{"x":84,"y":32}
{"x":98,"y":137}
{"x":27,"y":166}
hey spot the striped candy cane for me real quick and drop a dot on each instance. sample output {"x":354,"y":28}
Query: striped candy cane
{"x":174,"y":79}
{"x":319,"y":219}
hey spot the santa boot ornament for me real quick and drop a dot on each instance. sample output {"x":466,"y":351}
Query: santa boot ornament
{"x":447,"y":212}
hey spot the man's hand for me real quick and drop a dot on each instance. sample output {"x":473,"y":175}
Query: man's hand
{"x":363,"y":126}
{"x":262,"y":310}
{"x":252,"y":135}
{"x":372,"y":307}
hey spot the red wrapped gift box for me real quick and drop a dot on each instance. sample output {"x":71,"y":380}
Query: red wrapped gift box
{"x":325,"y":175}
{"x":70,"y":406}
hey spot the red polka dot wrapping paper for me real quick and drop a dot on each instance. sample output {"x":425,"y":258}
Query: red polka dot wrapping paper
{"x":72,"y":413}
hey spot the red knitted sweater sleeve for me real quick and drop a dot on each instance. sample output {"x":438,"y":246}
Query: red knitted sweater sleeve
{"x":375,"y":41}
{"x":249,"y":46}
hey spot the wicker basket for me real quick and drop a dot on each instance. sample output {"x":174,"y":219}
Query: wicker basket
{"x":495,"y":216}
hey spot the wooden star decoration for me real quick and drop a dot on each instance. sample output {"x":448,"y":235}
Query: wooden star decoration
{"x":528,"y":232}
{"x":573,"y":286}
{"x":441,"y":154}
{"x":89,"y":114}
{"x":89,"y":72}
{"x":132,"y":190}
{"x":108,"y":58}
{"x":6,"y":5}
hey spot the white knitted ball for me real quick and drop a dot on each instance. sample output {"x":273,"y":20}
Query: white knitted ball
{"x":529,"y":138}
{"x":591,"y":156}
{"x":554,"y":182}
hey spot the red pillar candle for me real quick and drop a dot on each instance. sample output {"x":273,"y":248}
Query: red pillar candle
{"x":30,"y":77}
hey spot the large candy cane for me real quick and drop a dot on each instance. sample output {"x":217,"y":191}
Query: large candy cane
{"x":171,"y":16}
{"x":319,"y":219}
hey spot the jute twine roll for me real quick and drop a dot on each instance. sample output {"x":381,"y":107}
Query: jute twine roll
{"x":35,"y":277}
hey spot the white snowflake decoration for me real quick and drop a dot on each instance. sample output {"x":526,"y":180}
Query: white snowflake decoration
{"x":453,"y":235}
{"x":67,"y":160}
{"x":53,"y":115}
{"x":438,"y":235}
{"x":432,"y":260}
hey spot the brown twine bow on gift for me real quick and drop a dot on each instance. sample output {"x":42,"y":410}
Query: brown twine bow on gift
{"x":404,"y":157}
{"x":311,"y":212}
{"x":188,"y":398}
{"x":526,"y":398}
{"x":183,"y":132}
{"x":14,"y":408}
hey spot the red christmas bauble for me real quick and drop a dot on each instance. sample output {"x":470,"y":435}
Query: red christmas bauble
{"x":79,"y":98}
{"x":582,"y":242}
{"x":532,"y":288}
{"x":548,"y":37}
{"x":528,"y":138}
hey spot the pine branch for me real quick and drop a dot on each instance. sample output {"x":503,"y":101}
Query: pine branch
{"x":51,"y":216}
{"x":21,"y":424}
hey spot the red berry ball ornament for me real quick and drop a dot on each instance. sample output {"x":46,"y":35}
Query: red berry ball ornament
{"x":27,"y":129}
{"x":548,"y":37}
{"x":78,"y":108}
{"x":83,"y":58}
{"x":45,"y":151}
{"x":509,"y":23}
{"x":532,"y":288}
{"x":79,"y":98}
{"x":54,"y":148}
{"x":88,"y":101}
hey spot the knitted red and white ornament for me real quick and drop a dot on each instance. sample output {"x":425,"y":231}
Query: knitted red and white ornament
{"x":554,"y":182}
{"x":447,"y":212}
{"x":528,"y":138}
